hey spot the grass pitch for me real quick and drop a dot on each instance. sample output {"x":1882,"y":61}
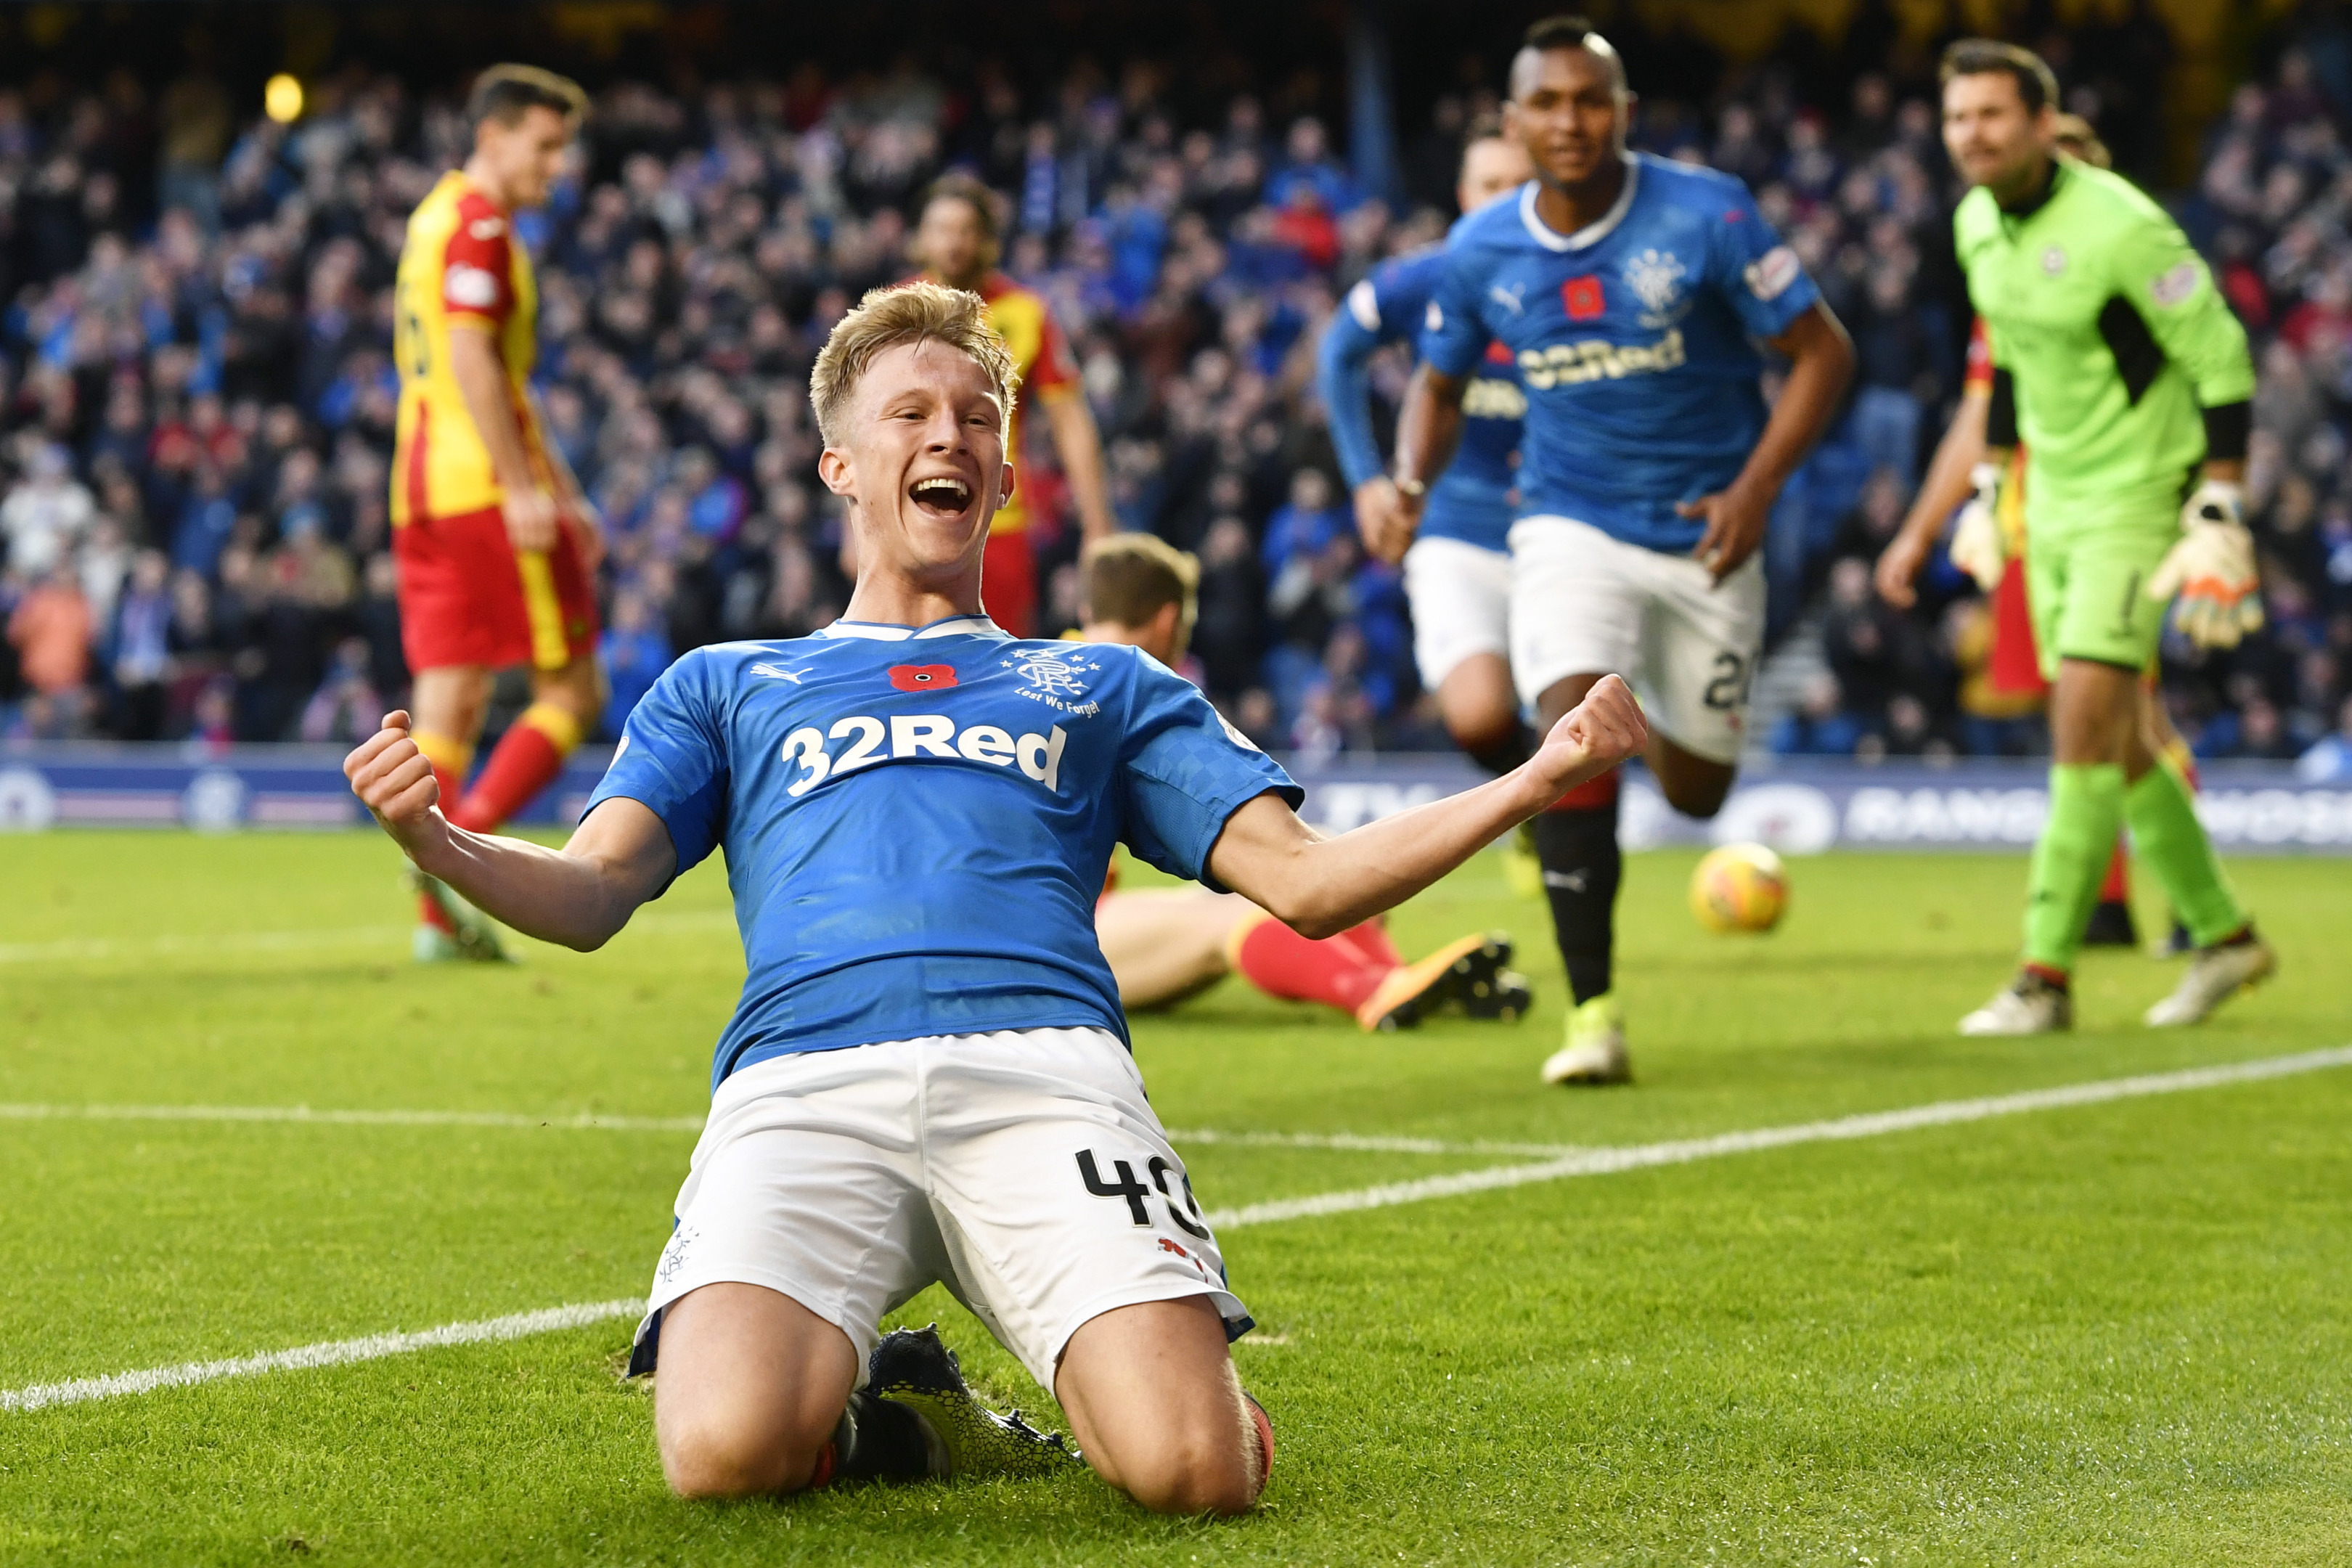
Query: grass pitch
{"x":2111,"y":1333}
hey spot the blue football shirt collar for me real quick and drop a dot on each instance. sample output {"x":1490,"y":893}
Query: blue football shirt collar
{"x":881,"y":631}
{"x":1591,"y":234}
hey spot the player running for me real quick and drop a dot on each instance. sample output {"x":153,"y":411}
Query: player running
{"x":2119,"y":367}
{"x":956,"y":244}
{"x":926,"y":1076}
{"x":496,"y":545}
{"x":1628,"y":290}
{"x":1164,"y":944}
{"x":1457,"y":566}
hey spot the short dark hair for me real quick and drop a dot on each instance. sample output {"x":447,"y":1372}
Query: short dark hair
{"x":955,"y":186}
{"x":2036,"y":86}
{"x":1485,"y":127}
{"x":506,"y":93}
{"x":1570,"y":32}
{"x":1558,"y":33}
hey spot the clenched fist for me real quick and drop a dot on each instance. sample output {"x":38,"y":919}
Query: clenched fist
{"x":395,"y":781}
{"x":1594,"y":736}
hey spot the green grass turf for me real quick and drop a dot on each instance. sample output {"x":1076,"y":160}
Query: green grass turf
{"x":2106,"y":1334}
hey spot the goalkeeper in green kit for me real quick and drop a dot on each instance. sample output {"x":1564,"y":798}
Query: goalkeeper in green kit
{"x":2120,"y":366}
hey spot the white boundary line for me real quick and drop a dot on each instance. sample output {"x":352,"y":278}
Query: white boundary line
{"x":1872,"y":1124}
{"x":1580,"y":1163}
{"x":303,"y":1114}
{"x":335,"y":1352}
{"x":1359,"y":1142}
{"x":660,"y":923}
{"x":1346,"y":1141}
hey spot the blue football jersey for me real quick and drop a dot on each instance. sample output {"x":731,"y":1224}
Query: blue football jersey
{"x":1635,"y":338}
{"x":1474,"y":499}
{"x":917,"y":821}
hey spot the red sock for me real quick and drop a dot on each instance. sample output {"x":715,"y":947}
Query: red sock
{"x":2117,"y":889}
{"x":1372,"y":940}
{"x":1281,"y":963}
{"x":527,"y":760}
{"x":450,"y":759}
{"x":1590,"y":795}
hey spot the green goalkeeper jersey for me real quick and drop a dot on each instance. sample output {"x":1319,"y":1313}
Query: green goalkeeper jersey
{"x":2115,"y":340}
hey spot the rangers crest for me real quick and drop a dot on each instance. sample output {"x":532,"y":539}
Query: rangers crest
{"x":1655,"y":276}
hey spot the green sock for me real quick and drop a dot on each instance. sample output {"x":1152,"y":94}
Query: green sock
{"x":2166,"y":834}
{"x":2070,"y":860}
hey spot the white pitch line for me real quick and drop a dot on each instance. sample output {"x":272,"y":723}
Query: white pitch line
{"x":1360,"y":1142}
{"x":303,"y":1114}
{"x":334,"y":1353}
{"x":1581,"y":1163}
{"x":1681,"y":1152}
{"x":683,"y":922}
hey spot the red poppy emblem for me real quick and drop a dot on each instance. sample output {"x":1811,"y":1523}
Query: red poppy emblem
{"x":922,"y":677}
{"x":1581,"y":296}
{"x":1500,"y":353}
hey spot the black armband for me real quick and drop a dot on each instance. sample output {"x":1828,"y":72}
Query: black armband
{"x":2228,"y":428}
{"x":2000,"y":418}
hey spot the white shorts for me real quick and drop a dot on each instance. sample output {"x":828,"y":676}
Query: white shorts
{"x":1461,"y":599}
{"x":1023,"y":1170}
{"x":1585,"y":604}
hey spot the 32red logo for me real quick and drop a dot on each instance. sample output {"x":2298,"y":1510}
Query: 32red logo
{"x":922,"y":677}
{"x":1581,"y":298}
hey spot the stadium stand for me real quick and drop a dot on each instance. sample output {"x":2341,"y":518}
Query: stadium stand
{"x":197,"y":398}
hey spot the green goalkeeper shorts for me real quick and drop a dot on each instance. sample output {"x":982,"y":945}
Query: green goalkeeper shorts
{"x":2087,"y":589}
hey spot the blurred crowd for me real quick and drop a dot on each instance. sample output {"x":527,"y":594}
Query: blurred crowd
{"x":196,"y":397}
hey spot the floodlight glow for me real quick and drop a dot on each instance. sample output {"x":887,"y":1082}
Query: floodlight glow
{"x":281,"y":98}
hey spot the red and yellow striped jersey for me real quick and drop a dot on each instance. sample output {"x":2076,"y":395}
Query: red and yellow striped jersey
{"x":459,"y":271}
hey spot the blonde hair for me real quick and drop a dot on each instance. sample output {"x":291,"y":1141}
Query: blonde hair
{"x":1131,"y":577}
{"x":2077,"y":139}
{"x":906,"y":314}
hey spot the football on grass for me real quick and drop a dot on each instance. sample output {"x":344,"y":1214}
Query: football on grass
{"x":1739,"y":887}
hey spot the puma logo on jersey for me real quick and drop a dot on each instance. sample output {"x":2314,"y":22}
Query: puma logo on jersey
{"x":773,"y":673}
{"x":1511,"y":298}
{"x":913,"y":737}
{"x":1596,"y":359}
{"x":487,"y":227}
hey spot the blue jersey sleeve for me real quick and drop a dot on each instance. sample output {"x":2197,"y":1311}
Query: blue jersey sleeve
{"x":673,"y":760}
{"x":1755,"y":272}
{"x":1183,"y":771}
{"x":1345,"y":388}
{"x":1453,"y":339}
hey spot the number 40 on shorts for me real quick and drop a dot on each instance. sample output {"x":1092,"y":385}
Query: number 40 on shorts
{"x":1185,"y":1211}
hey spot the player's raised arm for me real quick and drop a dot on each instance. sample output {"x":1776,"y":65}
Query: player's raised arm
{"x":1320,"y":887}
{"x":578,"y":896}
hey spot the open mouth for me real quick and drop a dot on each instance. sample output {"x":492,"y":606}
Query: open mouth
{"x":940,"y":497}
